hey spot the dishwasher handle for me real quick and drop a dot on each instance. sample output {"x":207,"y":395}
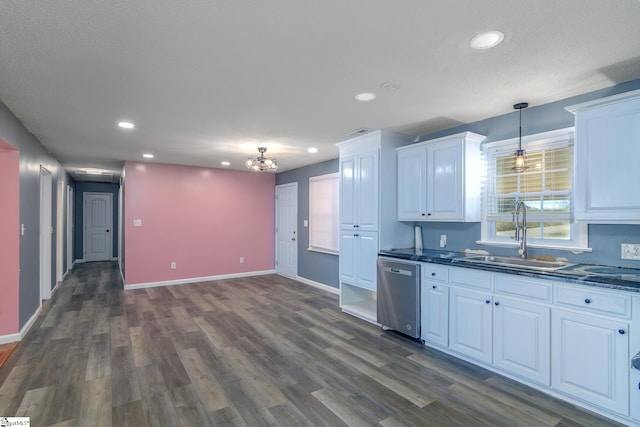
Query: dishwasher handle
{"x":397,"y":271}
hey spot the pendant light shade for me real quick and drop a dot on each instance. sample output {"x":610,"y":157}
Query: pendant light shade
{"x":519,"y":160}
{"x":262,"y":163}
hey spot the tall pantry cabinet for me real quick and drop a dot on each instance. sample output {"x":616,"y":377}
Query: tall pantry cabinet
{"x":368,"y":205}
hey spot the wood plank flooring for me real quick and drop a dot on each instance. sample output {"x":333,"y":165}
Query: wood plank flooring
{"x":254,"y":351}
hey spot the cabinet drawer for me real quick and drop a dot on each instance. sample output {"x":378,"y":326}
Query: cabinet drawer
{"x":470,"y":277}
{"x":515,"y":285}
{"x":436,"y":272}
{"x":609,"y":303}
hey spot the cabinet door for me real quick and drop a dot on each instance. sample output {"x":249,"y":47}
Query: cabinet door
{"x":367,"y":191}
{"x":470,"y":327}
{"x":348,"y":253}
{"x":522,"y":338}
{"x":445,"y":178}
{"x":434,"y":315}
{"x":367,"y":256}
{"x":607,"y":150}
{"x":591,"y":359}
{"x":348,"y":204}
{"x":412,"y":182}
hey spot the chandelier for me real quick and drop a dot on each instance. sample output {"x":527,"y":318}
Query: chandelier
{"x":262,"y":163}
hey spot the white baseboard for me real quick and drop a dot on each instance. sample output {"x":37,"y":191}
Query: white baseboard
{"x":121,"y":274}
{"x":30,"y":322}
{"x":196,"y":279}
{"x":318,"y":285}
{"x":5,"y":339}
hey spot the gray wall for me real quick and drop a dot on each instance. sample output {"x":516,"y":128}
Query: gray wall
{"x":32,"y":156}
{"x":604,"y":239}
{"x":94,"y":187}
{"x":316,"y":266}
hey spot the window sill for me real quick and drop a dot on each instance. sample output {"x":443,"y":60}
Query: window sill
{"x":573,"y":249}
{"x":324,"y":251}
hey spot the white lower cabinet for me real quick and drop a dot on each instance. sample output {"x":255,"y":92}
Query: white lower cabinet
{"x":521,"y":338}
{"x":358,"y":254}
{"x":470,"y":323}
{"x":569,"y":339}
{"x":591,"y":359}
{"x":435,"y":313}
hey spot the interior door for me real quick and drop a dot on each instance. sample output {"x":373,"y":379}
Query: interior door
{"x":98,"y":226}
{"x":287,"y":229}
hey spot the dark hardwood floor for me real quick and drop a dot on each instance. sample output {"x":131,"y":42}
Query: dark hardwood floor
{"x":254,"y":351}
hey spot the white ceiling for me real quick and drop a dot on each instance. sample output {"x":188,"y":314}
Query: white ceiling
{"x":211,"y":80}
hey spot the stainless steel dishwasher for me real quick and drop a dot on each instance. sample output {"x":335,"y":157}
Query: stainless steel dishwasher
{"x":399,"y":296}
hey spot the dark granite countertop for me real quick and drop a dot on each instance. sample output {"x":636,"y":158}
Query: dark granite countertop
{"x":603,"y":276}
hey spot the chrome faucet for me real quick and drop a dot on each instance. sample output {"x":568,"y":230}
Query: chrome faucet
{"x":521,"y":232}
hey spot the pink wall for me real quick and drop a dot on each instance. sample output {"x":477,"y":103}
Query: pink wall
{"x":202,"y":219}
{"x":9,"y":239}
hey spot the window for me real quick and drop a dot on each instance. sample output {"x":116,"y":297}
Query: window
{"x":324,"y":191}
{"x":545,"y":187}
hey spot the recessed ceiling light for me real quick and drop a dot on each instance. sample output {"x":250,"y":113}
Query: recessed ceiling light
{"x":365,"y":96}
{"x":147,"y":156}
{"x":225,"y":163}
{"x":126,"y":125}
{"x":486,"y":40}
{"x":312,"y":150}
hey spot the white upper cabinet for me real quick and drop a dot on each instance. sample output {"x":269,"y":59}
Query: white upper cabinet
{"x":359,"y":191}
{"x":607,"y":149}
{"x":439,"y":180}
{"x":412,"y":183}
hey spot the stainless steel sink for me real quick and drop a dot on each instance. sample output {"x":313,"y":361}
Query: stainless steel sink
{"x":528,"y":263}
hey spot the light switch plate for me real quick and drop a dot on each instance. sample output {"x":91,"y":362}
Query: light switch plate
{"x":137,"y":223}
{"x":630,"y":251}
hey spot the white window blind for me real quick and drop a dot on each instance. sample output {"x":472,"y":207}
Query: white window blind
{"x":545,"y":187}
{"x":324,"y":192}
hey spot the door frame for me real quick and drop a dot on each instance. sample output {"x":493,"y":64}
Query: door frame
{"x":84,"y":224}
{"x":46,"y":182}
{"x":70,"y":226}
{"x":60,"y":270}
{"x":281,"y":187}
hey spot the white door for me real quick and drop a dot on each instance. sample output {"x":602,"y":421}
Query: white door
{"x":287,"y":229}
{"x":470,"y":327}
{"x":98,"y":226}
{"x":367,"y":191}
{"x":412,"y":181}
{"x":348,"y":192}
{"x":591,"y":359}
{"x":444,"y":178}
{"x":45,"y":233}
{"x":522,"y":338}
{"x":366,"y":256}
{"x":435,"y":313}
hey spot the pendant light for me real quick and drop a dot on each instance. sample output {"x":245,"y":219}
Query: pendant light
{"x":519,"y":164}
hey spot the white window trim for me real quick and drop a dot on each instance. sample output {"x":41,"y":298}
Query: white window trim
{"x":316,"y":248}
{"x":580,"y":241}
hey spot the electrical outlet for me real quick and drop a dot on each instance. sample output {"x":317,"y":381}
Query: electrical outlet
{"x":443,"y":240}
{"x":630,"y":251}
{"x":241,"y":260}
{"x":173,"y":266}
